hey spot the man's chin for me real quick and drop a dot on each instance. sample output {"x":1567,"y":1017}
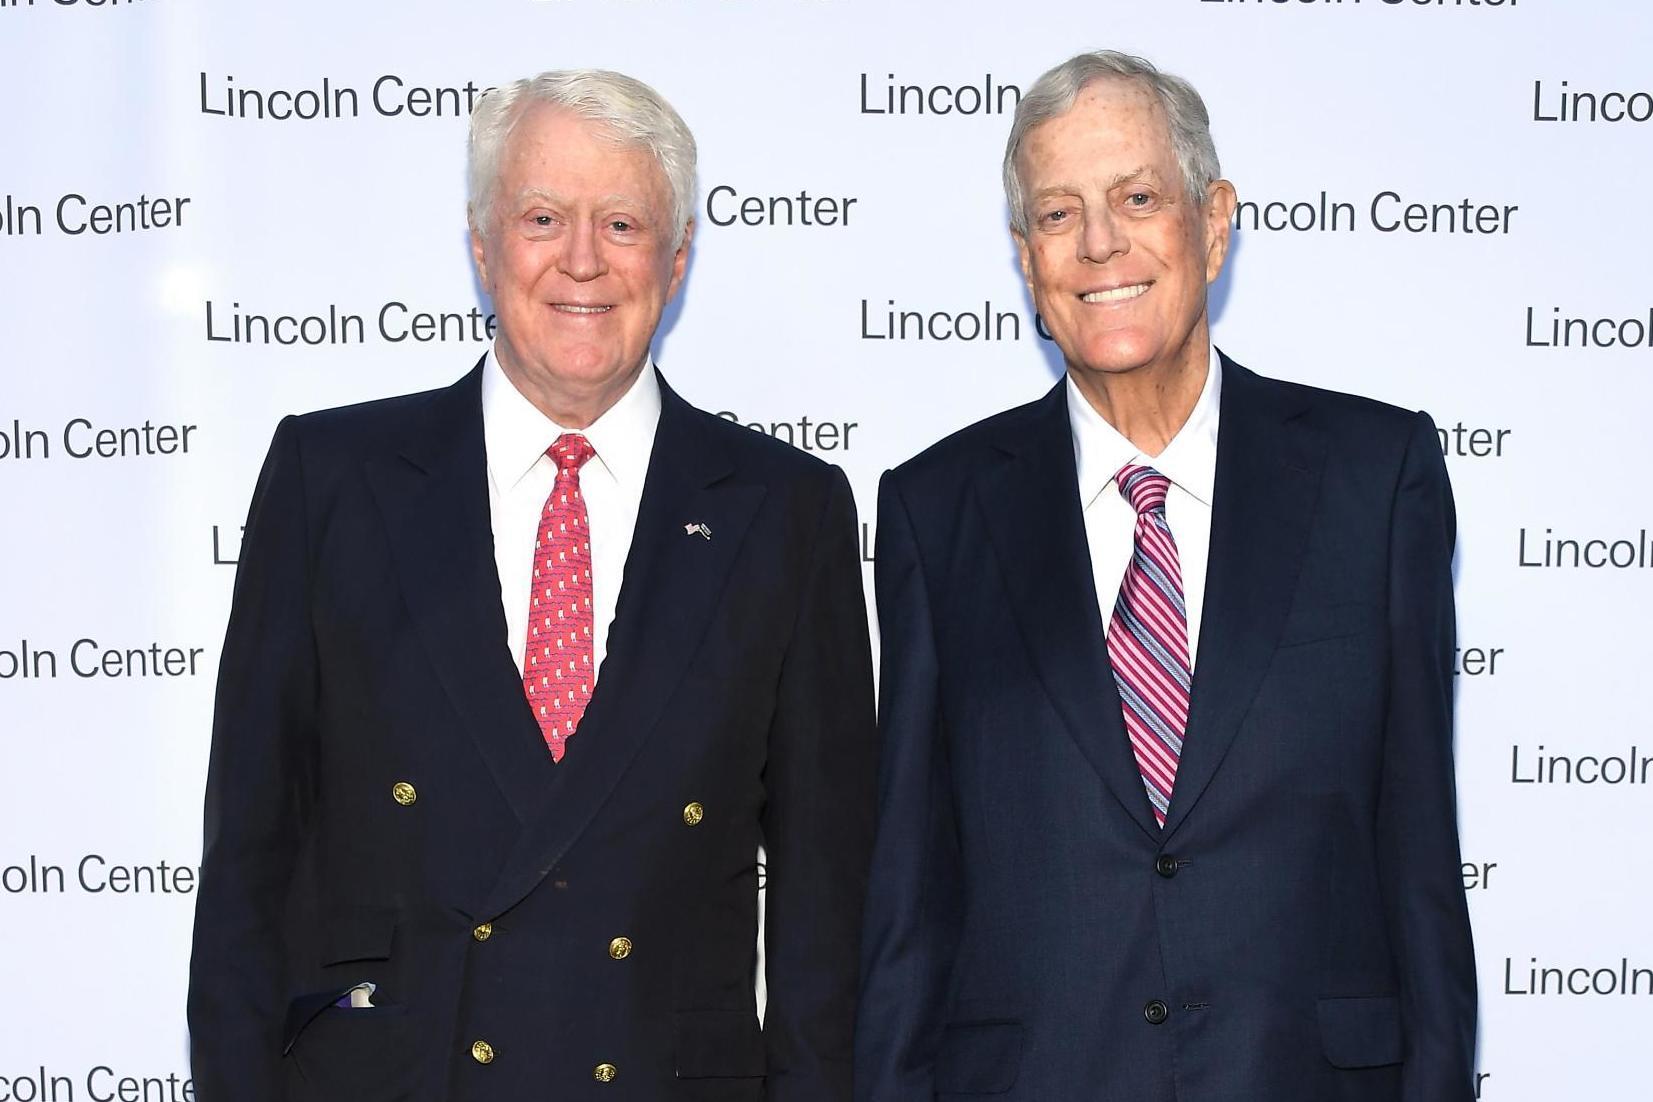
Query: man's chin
{"x":1126,"y":353}
{"x":579,"y":365}
{"x":1114,"y":361}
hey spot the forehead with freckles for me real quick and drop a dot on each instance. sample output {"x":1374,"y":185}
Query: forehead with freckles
{"x":1115,"y":133}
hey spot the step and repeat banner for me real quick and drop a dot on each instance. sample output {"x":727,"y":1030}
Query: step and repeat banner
{"x":216,"y":213}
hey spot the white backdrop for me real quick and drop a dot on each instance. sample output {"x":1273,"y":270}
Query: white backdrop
{"x":128,"y":544}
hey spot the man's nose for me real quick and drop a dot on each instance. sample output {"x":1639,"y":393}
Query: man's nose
{"x":583,"y":260}
{"x":1102,"y":237}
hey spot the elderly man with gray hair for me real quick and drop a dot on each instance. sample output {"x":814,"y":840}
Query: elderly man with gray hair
{"x":1167,"y":803}
{"x":519,"y":676}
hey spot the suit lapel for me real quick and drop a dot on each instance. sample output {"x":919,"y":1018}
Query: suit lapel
{"x":434,"y":499}
{"x":668,"y":596}
{"x":1268,"y":476}
{"x":1045,"y":560}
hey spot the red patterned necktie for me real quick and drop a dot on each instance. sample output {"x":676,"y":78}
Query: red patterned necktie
{"x":1148,"y":639}
{"x":556,"y":669}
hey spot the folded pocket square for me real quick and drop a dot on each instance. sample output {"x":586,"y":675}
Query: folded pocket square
{"x":359,"y":997}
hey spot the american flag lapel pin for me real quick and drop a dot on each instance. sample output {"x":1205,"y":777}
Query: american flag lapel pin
{"x":701,"y":529}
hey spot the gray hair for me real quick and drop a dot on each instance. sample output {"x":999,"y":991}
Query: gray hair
{"x":636,"y":114}
{"x":1055,"y":93}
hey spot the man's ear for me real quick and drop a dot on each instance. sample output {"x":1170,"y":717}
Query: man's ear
{"x":1220,"y":199}
{"x":1025,"y":257}
{"x":680,"y":261}
{"x":479,"y":257}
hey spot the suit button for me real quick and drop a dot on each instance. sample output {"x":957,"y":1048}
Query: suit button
{"x":404,"y":793}
{"x":620,"y":948}
{"x":483,"y":932}
{"x":693,"y":814}
{"x":604,"y":1073}
{"x":1166,"y":865}
{"x":482,"y":1052}
{"x":1156,"y":1012}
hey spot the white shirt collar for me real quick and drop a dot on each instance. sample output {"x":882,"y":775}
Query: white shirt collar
{"x":1189,"y":460}
{"x":516,"y":434}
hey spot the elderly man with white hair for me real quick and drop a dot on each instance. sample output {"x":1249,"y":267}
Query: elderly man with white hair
{"x":519,"y":676}
{"x":1166,"y":807}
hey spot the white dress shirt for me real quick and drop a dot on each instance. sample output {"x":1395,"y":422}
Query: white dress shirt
{"x":520,"y":476}
{"x":1189,"y":461}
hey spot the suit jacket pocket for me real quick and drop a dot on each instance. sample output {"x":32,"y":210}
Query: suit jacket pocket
{"x":348,"y":935}
{"x":358,"y":933}
{"x":718,"y":1044}
{"x":979,"y":1057}
{"x":1362,"y":1032}
{"x":1335,"y":621}
{"x":307,"y":1008}
{"x":361,"y":1055}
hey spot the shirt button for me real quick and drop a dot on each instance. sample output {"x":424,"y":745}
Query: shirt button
{"x":1156,"y":1012}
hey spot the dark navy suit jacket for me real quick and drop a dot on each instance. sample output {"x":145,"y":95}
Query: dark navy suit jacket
{"x":367,"y":650}
{"x":1297,"y":932}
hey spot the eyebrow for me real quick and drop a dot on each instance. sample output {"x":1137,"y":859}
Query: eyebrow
{"x":537,"y":193}
{"x":1054,"y":189}
{"x":1070,"y":189}
{"x":554,"y":199}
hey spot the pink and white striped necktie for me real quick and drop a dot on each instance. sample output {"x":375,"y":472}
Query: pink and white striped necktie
{"x":1148,"y":639}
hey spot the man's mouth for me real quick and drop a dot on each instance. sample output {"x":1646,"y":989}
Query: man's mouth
{"x":1117,"y":294}
{"x":576,"y":308}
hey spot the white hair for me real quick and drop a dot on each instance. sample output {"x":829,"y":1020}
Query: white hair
{"x":636,"y":114}
{"x":1055,"y":93}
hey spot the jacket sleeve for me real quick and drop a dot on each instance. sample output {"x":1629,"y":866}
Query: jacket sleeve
{"x":913,"y":914}
{"x":818,"y":820}
{"x":1417,"y":832}
{"x":260,"y":789}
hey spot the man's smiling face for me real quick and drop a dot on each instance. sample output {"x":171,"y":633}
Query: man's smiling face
{"x":578,"y":253}
{"x":1117,"y":254}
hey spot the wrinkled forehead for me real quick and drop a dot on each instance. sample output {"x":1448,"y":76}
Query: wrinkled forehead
{"x":551,"y":125}
{"x":547,"y":131}
{"x":1110,"y":114}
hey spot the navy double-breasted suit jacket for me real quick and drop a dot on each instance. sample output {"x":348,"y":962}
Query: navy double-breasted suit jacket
{"x":382,"y":808}
{"x":1297,"y":932}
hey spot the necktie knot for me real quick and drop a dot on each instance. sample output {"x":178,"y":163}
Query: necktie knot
{"x":570,"y":451}
{"x":1144,"y":487}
